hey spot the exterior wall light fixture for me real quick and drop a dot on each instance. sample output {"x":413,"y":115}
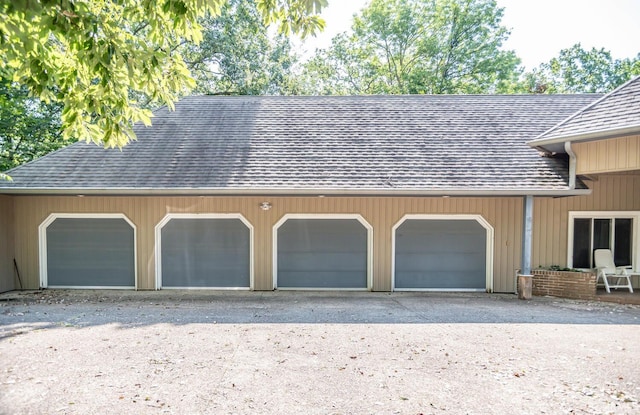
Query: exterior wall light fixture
{"x":265,"y":205}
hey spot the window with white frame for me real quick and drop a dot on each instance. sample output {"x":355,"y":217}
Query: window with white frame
{"x":602,"y":230}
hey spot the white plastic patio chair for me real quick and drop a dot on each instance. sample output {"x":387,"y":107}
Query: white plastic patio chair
{"x":607,"y":269}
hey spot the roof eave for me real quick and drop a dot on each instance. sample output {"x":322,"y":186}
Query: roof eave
{"x":292,"y":192}
{"x":556,"y":144}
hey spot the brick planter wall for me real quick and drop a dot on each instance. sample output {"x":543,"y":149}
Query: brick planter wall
{"x":565,"y":284}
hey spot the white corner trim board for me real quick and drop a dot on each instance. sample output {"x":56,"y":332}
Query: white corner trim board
{"x":42,"y":246}
{"x":489,"y":248}
{"x":321,"y":216}
{"x":158,"y":246}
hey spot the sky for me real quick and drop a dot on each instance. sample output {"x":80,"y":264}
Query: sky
{"x":539,"y":28}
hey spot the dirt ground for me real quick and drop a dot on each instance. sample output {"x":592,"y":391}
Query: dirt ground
{"x":315,"y":353}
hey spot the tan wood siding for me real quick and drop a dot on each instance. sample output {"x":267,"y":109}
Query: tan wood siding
{"x":603,"y":156}
{"x":504,"y":214}
{"x":7,"y":279}
{"x":611,"y":192}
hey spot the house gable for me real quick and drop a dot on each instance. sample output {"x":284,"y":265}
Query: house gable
{"x":615,"y":115}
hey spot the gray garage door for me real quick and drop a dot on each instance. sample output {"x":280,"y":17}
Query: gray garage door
{"x":212,"y":253}
{"x":322,"y":253}
{"x":440,"y":254}
{"x":90,"y":252}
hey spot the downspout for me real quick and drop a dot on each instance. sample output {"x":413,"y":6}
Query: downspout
{"x":527,"y":234}
{"x":572,"y":164}
{"x":524,"y":282}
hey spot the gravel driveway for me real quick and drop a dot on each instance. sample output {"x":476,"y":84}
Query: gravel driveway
{"x":197,"y":352}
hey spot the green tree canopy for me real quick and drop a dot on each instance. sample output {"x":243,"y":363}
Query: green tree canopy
{"x":96,"y":56}
{"x":29,"y":128}
{"x":417,"y":46}
{"x":239,"y":55}
{"x":576,"y":70}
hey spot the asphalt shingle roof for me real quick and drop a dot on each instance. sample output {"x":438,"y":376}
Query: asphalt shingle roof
{"x":370,"y":144}
{"x":615,"y":111}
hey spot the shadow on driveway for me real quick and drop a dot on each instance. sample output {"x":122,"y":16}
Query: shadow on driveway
{"x":81,"y":308}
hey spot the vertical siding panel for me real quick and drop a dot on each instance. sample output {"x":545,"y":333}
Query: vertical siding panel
{"x":402,"y":207}
{"x":593,"y":159}
{"x":547,"y":233}
{"x":592,"y":164}
{"x":633,"y":194}
{"x":560,"y":215}
{"x":506,"y":247}
{"x":150,"y":212}
{"x":612,"y":155}
{"x":596,"y":202}
{"x":617,"y":196}
{"x":611,"y":197}
{"x":377,"y":215}
{"x":621,"y":154}
{"x":508,"y":265}
{"x":540,"y":253}
{"x":582,"y":157}
{"x":634,"y":152}
{"x":23,"y":228}
{"x":7,"y":250}
{"x":550,"y":210}
{"x":601,"y":162}
{"x":263,"y":234}
{"x":552,"y":243}
{"x":495,"y":215}
{"x":384,"y":252}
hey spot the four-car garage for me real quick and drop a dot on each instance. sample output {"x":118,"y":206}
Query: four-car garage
{"x":310,"y":251}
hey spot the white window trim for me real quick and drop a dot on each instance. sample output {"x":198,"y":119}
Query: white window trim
{"x":489,"y":254}
{"x":158,"y":247}
{"x":613,"y":214}
{"x":321,"y":216}
{"x":42,"y":247}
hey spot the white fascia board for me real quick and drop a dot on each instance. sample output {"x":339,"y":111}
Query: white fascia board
{"x":586,"y":136}
{"x":289,"y":192}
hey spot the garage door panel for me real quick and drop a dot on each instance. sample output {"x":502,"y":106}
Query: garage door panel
{"x":302,"y":247}
{"x":322,"y":279}
{"x":440,"y":226}
{"x":322,"y":253}
{"x":327,"y":241}
{"x":440,"y":254}
{"x":205,"y":252}
{"x":90,"y":252}
{"x":436,"y":280}
{"x":440,"y":247}
{"x":303,"y":237}
{"x":327,"y":261}
{"x":442,"y":262}
{"x":435,"y":242}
